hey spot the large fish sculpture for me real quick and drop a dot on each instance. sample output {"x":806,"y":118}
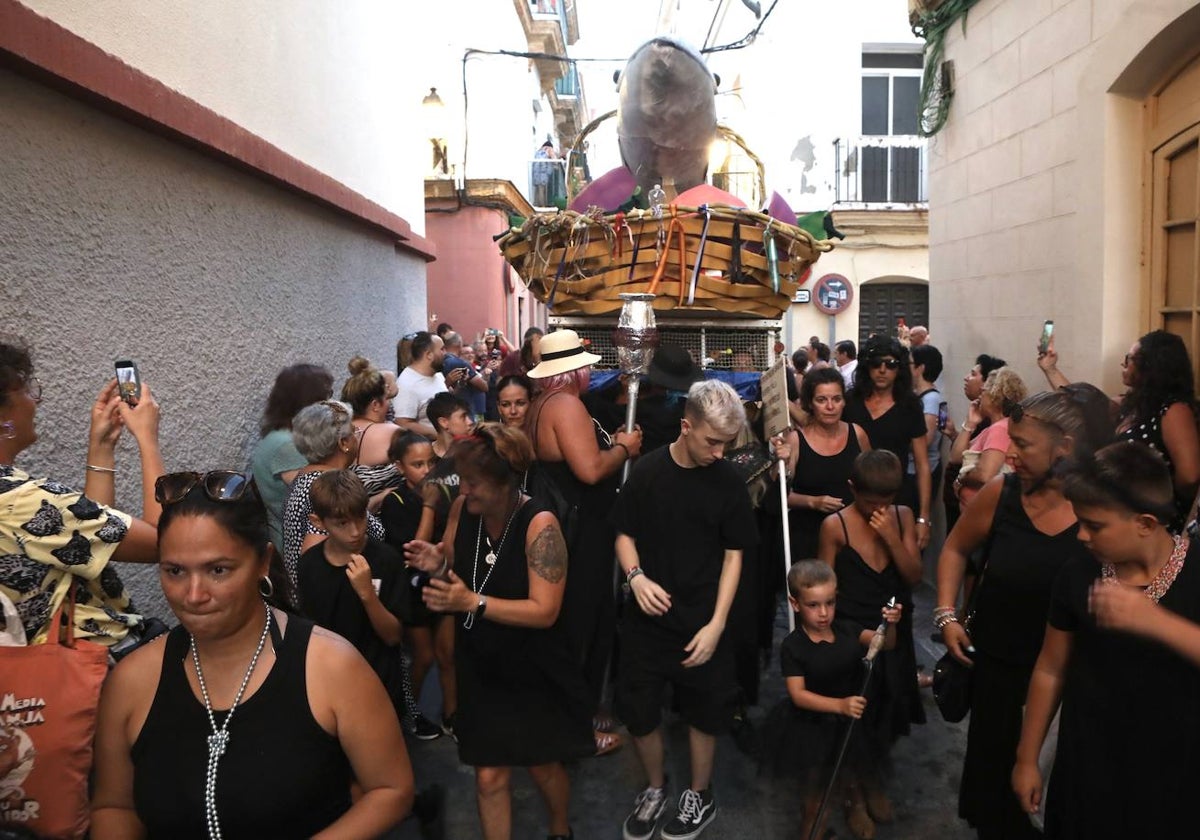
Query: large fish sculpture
{"x":666,"y":122}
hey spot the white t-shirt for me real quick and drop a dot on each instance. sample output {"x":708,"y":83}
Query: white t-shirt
{"x":415,"y":392}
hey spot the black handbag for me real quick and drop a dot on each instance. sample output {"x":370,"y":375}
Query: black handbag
{"x":951,"y":678}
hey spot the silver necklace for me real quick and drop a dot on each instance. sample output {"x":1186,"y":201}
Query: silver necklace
{"x":489,"y":559}
{"x":219,"y":739}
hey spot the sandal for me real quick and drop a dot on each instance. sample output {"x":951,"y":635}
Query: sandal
{"x":607,"y":742}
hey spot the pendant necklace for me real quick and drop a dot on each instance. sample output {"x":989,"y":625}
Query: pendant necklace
{"x":219,"y":739}
{"x":1165,"y":577}
{"x":489,"y":559}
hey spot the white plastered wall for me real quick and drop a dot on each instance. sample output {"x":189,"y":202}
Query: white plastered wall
{"x":1035,"y":184}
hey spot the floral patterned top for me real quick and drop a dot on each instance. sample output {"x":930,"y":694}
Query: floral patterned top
{"x":53,"y":538}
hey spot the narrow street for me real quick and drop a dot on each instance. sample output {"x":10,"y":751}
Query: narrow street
{"x":923,"y":785}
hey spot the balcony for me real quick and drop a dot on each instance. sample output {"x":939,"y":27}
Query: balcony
{"x":882,"y":170}
{"x":567,"y":87}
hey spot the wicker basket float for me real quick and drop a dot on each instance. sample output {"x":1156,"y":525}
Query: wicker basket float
{"x":749,"y":264}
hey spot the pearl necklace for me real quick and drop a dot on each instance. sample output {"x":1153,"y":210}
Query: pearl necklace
{"x":489,"y":560}
{"x":1165,"y":577}
{"x":219,"y":739}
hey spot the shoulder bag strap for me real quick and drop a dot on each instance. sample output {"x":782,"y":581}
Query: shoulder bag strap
{"x":987,"y":555}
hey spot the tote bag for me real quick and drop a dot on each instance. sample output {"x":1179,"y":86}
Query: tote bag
{"x":49,"y":694}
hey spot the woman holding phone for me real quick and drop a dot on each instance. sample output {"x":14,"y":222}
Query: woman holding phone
{"x":1158,"y":408}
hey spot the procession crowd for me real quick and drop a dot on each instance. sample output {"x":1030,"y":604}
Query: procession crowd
{"x":482,"y":513}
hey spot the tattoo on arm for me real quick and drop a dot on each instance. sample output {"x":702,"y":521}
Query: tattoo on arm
{"x":547,"y":556}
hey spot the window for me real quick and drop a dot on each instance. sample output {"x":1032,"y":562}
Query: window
{"x":891,"y":92}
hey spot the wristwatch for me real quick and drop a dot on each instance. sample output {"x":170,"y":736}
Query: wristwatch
{"x":481,"y":607}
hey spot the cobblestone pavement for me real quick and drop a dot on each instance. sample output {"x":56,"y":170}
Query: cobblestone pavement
{"x":923,"y":782}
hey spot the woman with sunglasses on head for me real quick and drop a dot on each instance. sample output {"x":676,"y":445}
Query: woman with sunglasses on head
{"x":882,"y":402}
{"x":276,"y":461}
{"x":366,"y":392}
{"x":246,"y":721}
{"x":56,"y":541}
{"x":501,"y":570}
{"x":1027,"y":532}
{"x":1122,"y":656}
{"x":325,"y":435}
{"x":1158,"y":408}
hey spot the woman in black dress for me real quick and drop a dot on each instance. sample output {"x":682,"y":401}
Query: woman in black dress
{"x":244,"y":721}
{"x":825,"y":452}
{"x":1158,"y":409}
{"x":1121,"y":654}
{"x":522,"y":701}
{"x":1029,"y":530}
{"x":883,"y":403}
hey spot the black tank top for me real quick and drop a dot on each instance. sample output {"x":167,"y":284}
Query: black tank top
{"x":819,"y":475}
{"x":282,"y":775}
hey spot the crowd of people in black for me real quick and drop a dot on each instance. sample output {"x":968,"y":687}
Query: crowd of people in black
{"x":467,"y":514}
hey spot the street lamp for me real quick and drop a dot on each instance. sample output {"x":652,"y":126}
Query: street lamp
{"x":434,"y":112}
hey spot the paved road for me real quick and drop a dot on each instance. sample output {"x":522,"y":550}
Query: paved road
{"x":923,"y":786}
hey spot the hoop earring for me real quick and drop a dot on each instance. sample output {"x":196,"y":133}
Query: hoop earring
{"x":8,"y":430}
{"x":266,"y":588}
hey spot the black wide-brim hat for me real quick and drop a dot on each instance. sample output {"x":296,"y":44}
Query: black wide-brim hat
{"x":673,"y":367}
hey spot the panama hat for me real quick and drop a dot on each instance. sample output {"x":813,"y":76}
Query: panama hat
{"x":672,"y":367}
{"x":562,"y":352}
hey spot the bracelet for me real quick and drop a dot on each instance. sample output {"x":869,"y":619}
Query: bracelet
{"x":968,"y":429}
{"x":94,"y":468}
{"x":623,"y":446}
{"x":941,"y":623}
{"x":632,"y":573}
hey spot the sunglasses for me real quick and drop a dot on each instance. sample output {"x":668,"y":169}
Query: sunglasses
{"x":219,"y":486}
{"x":890,"y":364}
{"x":33,"y":387}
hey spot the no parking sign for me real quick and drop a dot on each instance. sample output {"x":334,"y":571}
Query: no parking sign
{"x":833,"y":294}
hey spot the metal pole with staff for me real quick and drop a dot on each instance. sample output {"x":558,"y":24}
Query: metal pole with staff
{"x":636,"y":339}
{"x":877,"y":642}
{"x":776,"y":421}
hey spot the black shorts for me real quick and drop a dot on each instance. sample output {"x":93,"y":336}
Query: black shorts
{"x":650,"y":660}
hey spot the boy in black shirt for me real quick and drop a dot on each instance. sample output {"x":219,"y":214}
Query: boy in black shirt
{"x":683,"y":519}
{"x":351,"y":584}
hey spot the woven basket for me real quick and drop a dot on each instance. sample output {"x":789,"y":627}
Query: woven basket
{"x":581,"y":264}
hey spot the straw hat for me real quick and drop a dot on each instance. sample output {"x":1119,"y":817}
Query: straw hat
{"x":672,"y":367}
{"x":562,"y":352}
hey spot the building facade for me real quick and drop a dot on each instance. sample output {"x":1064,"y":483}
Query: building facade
{"x":1064,"y":184}
{"x":214,"y":193}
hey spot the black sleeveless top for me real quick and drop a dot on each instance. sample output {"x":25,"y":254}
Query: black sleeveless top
{"x":819,"y":475}
{"x":1013,"y":601}
{"x":521,"y":698}
{"x":282,"y":775}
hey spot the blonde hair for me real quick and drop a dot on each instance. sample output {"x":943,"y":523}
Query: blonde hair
{"x":365,"y":385}
{"x":716,"y":403}
{"x":808,"y":573}
{"x":1005,"y":388}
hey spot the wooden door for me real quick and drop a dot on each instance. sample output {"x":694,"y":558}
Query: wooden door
{"x":881,"y":304}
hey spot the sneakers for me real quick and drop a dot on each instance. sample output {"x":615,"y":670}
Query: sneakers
{"x":647,"y":808}
{"x":421,"y":727}
{"x":696,"y":811}
{"x":448,"y":726}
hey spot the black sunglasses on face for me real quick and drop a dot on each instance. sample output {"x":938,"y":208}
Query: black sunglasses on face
{"x":890,"y":364}
{"x":219,"y":486}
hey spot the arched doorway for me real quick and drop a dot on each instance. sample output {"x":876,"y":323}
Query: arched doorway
{"x":884,"y":300}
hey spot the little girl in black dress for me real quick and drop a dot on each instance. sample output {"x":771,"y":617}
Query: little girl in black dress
{"x":822,"y":663}
{"x":872,"y":545}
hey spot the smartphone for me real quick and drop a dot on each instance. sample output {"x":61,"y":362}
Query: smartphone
{"x":496,"y":353}
{"x":1047,"y":334}
{"x":943,"y":416}
{"x":129,"y":381}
